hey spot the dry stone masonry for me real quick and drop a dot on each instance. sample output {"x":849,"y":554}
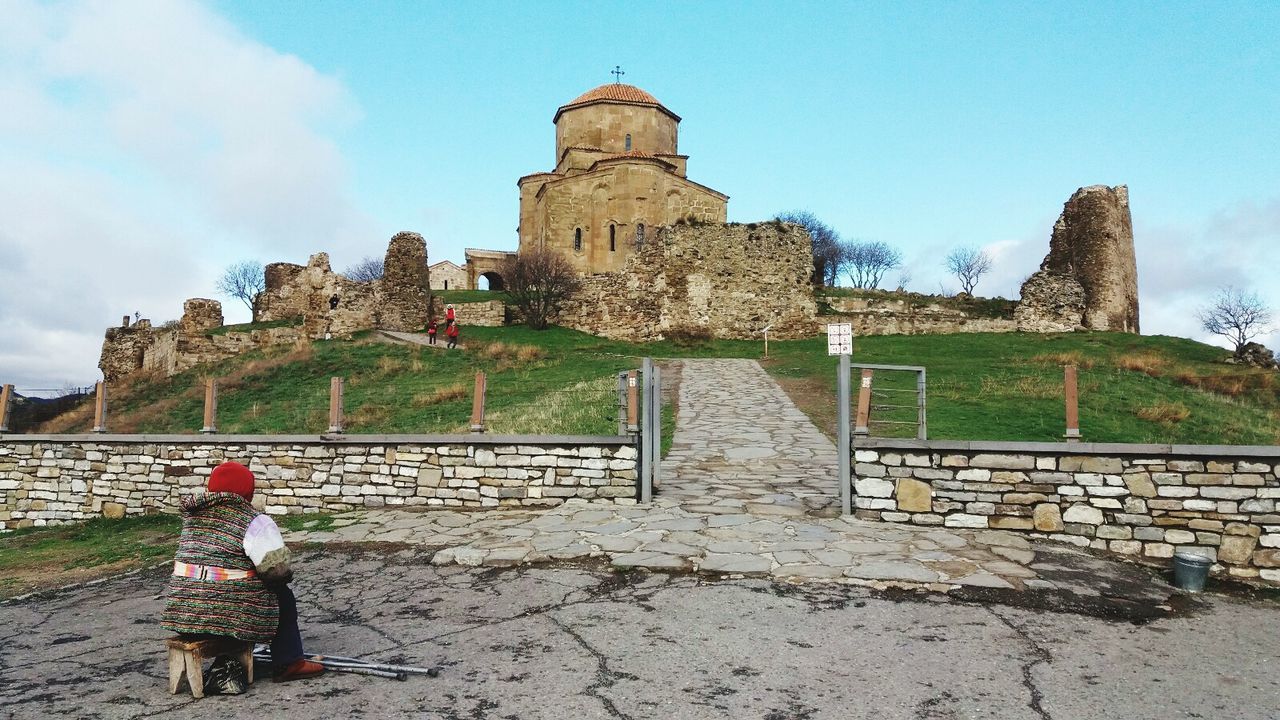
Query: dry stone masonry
{"x":1091,"y":254}
{"x":724,"y":281}
{"x":1144,"y":501}
{"x":56,"y":479}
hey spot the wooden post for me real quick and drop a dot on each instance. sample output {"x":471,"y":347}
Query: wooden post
{"x":633,"y":402}
{"x":477,"y":404}
{"x":100,"y":408}
{"x":861,"y":422}
{"x":210,"y":406}
{"x":335,"y":405}
{"x":6,"y":400}
{"x":1073,"y":403}
{"x":766,"y":343}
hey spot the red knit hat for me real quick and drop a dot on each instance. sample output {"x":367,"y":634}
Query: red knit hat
{"x":232,"y":477}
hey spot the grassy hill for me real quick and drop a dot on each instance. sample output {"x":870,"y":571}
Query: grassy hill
{"x":992,"y":387}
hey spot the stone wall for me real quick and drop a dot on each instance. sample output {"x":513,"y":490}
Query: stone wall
{"x":908,"y":314}
{"x":1143,"y":501}
{"x":724,"y":281}
{"x":295,"y":291}
{"x":1092,"y":243}
{"x":488,"y":313}
{"x":60,"y":478}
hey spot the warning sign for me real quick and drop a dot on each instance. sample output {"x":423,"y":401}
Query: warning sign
{"x":839,"y":339}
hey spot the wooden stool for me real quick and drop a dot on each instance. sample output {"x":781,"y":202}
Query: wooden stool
{"x":186,"y":654}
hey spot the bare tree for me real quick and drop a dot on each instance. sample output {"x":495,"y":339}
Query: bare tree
{"x":1236,"y":315}
{"x":367,"y":270}
{"x":826,"y":245}
{"x":537,"y":282}
{"x":242,"y":280}
{"x":968,"y":264}
{"x":866,"y":262}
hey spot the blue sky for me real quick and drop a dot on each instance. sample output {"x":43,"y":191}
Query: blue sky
{"x":153,"y":143}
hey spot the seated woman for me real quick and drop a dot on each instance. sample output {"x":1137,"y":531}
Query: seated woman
{"x":231,"y":574}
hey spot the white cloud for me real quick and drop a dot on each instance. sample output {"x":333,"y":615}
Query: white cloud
{"x":144,"y":146}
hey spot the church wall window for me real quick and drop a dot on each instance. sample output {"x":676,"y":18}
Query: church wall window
{"x":577,"y":240}
{"x":628,"y":142}
{"x":613,"y":238}
{"x":639,"y":236}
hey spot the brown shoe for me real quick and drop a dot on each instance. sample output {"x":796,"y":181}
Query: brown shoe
{"x":300,"y":670}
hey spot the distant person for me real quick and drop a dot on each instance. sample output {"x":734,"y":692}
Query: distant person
{"x":431,"y":333}
{"x":333,"y":302}
{"x":452,"y":332}
{"x":231,"y":574}
{"x":448,"y":313}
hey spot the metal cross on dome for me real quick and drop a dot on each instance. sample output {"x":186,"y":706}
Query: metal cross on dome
{"x":617,"y":72}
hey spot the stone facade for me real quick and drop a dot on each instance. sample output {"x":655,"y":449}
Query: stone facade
{"x":298,"y":291}
{"x":1143,"y":501}
{"x":618,"y":177}
{"x":56,"y":479}
{"x":447,"y":275}
{"x":1051,"y":302}
{"x":693,"y":279}
{"x":1092,"y":243}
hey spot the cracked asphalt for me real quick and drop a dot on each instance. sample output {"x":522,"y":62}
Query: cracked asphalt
{"x":582,"y":640}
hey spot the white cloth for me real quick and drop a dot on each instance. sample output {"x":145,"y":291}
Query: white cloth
{"x":262,"y":537}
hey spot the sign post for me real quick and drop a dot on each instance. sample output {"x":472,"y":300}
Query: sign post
{"x":840,"y":342}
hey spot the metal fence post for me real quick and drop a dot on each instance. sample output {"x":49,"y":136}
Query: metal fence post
{"x":655,"y":475}
{"x":1073,"y":403}
{"x":622,"y":403}
{"x":922,"y":426}
{"x":633,"y":402}
{"x":646,"y":433}
{"x":6,"y":402}
{"x":335,"y":405}
{"x":844,"y":437}
{"x":100,"y":408}
{"x":210,"y":406}
{"x":477,"y":403}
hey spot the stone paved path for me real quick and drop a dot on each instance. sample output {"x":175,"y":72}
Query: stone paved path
{"x":741,"y":445}
{"x":746,"y":483}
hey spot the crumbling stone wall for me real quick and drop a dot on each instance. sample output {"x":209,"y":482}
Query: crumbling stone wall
{"x":124,"y":348}
{"x":295,"y":291}
{"x":722,"y":280}
{"x":486,"y":313}
{"x":1142,"y":501}
{"x":898,"y":313}
{"x":405,"y":288}
{"x":1092,"y":243}
{"x":48,"y":480}
{"x":200,"y":315}
{"x":1051,"y":302}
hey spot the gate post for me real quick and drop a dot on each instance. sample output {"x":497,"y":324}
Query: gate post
{"x":1073,"y":403}
{"x":210,"y":407}
{"x":646,"y":433}
{"x":843,"y":436}
{"x":477,"y":403}
{"x":655,"y":475}
{"x":861,"y":428}
{"x":335,"y":405}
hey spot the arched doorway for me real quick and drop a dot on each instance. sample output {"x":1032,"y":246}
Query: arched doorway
{"x":491,"y":281}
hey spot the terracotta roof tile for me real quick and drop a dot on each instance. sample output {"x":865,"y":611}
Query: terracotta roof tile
{"x":616,"y":92}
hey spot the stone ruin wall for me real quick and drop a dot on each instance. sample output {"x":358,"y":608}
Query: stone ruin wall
{"x":483,"y":313}
{"x":722,"y":280}
{"x":1089,"y":279}
{"x":399,"y":301}
{"x":890,"y":315}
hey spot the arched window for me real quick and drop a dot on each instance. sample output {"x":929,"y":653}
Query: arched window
{"x":446,"y":284}
{"x":639,"y":236}
{"x":577,"y":240}
{"x":613,"y":238}
{"x":628,"y":142}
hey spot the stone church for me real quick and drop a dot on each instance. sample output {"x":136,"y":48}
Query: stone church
{"x":619,"y":176}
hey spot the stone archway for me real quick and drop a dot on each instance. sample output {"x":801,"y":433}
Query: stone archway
{"x":486,"y":264}
{"x":496,"y":283}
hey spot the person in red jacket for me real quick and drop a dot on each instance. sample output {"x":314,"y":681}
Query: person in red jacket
{"x":448,"y":313}
{"x":452,"y":333}
{"x":431,"y":333}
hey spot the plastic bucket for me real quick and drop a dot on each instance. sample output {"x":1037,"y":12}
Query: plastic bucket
{"x":1190,"y":571}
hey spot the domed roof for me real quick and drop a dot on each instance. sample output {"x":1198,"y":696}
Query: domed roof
{"x":615,"y":93}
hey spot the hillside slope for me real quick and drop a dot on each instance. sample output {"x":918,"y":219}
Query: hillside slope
{"x":989,"y":387}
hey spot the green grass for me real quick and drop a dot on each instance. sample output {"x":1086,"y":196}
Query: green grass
{"x":980,"y":386}
{"x":313,"y":522}
{"x":249,"y":327}
{"x":35,"y":558}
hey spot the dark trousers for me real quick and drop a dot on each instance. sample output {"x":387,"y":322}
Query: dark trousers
{"x":287,"y":645}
